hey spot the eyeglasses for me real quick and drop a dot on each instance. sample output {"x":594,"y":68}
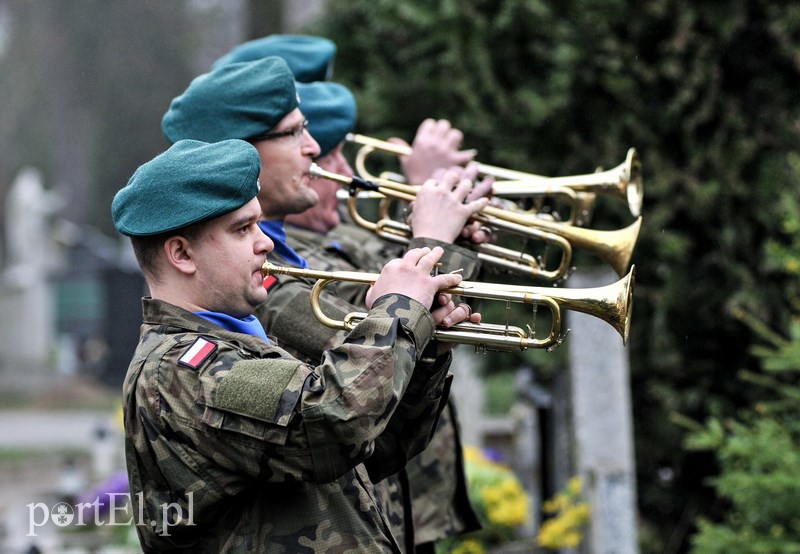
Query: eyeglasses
{"x":295,"y":132}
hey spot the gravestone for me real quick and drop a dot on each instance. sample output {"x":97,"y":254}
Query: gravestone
{"x":602,"y":425}
{"x":26,"y":302}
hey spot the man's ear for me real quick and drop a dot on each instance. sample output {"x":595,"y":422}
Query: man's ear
{"x":179,"y":254}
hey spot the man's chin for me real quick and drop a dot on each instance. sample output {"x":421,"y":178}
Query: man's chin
{"x":310,"y":202}
{"x":256,"y":301}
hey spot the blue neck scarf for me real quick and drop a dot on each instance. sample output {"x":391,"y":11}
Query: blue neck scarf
{"x":274,"y":230}
{"x":249,"y":325}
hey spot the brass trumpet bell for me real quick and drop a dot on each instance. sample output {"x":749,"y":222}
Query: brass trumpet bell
{"x":624,"y":181}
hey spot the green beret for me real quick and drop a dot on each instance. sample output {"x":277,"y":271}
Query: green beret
{"x":330,"y":110}
{"x":192,"y":181}
{"x":236,"y":101}
{"x":310,"y":58}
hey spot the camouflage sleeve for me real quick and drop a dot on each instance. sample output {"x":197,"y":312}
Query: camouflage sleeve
{"x":352,"y":293}
{"x":357,"y":250}
{"x":358,"y":419}
{"x":367,"y":250}
{"x":438,"y":485}
{"x":413,"y":423}
{"x":279,"y":420}
{"x":287,"y":315}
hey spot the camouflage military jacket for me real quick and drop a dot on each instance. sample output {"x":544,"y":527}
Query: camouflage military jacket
{"x":261,"y":453}
{"x":356,"y":247}
{"x":437,"y":473}
{"x":438,"y":493}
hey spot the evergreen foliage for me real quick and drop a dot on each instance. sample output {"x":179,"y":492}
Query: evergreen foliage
{"x":706,"y":92}
{"x":759,"y":456}
{"x":758,"y":447}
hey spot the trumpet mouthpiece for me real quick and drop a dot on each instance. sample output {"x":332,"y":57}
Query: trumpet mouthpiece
{"x":316,"y":171}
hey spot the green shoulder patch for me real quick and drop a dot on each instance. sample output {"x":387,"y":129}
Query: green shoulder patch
{"x":254,"y":387}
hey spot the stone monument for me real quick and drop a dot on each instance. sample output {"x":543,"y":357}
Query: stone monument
{"x":602,"y":425}
{"x":26,"y":302}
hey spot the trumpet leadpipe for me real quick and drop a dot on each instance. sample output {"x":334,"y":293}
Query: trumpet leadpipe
{"x":400,"y":191}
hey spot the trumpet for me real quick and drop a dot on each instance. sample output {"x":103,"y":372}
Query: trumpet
{"x":611,"y":303}
{"x":624,"y":180}
{"x":613,"y":247}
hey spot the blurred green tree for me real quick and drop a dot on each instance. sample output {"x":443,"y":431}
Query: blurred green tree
{"x":706,"y":92}
{"x":758,"y":447}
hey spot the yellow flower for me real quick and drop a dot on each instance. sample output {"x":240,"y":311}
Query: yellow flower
{"x":119,"y":419}
{"x":469,"y":546}
{"x":472,"y":454}
{"x":498,"y":497}
{"x":571,"y":539}
{"x":570,"y":515}
{"x":575,"y":486}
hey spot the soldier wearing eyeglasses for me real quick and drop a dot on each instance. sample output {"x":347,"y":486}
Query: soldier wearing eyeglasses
{"x":433,"y":502}
{"x":331,"y":504}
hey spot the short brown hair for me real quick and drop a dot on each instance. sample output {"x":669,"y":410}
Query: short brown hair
{"x":147,"y":248}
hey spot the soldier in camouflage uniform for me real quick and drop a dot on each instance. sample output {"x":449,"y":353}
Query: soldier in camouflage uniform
{"x":258,"y":101}
{"x":324,"y":242}
{"x":433,"y":482}
{"x":233,"y":445}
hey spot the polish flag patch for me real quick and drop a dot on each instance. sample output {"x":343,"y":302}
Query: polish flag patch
{"x":198,"y":353}
{"x":270,"y":281}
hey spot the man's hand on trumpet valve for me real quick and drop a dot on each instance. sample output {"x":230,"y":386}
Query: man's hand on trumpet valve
{"x":411,"y":276}
{"x":436,"y":146}
{"x":480,"y":187}
{"x":475,"y":231}
{"x":443,"y":207}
